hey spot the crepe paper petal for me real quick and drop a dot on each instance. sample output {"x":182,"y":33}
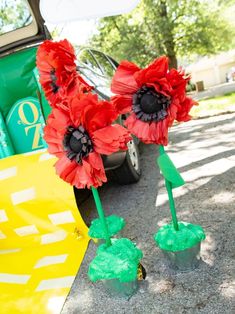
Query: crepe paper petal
{"x":79,"y":127}
{"x":149,"y":133}
{"x":122,"y":104}
{"x":169,"y":171}
{"x":114,"y":225}
{"x":91,"y":113}
{"x":111,"y":139}
{"x":58,"y":72}
{"x":118,"y":261}
{"x":123,"y":80}
{"x":153,"y":72}
{"x":154,"y":96}
{"x":188,"y":103}
{"x":79,"y":134}
{"x":188,"y":235}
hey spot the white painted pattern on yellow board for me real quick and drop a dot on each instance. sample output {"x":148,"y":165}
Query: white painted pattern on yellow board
{"x":42,"y":236}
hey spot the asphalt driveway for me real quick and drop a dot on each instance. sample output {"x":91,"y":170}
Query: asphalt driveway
{"x":204,"y":152}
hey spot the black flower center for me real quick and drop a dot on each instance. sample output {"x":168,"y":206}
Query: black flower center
{"x":55,"y":87}
{"x":150,"y":105}
{"x":77,"y":143}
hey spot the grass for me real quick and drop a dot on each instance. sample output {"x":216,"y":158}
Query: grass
{"x":214,"y":106}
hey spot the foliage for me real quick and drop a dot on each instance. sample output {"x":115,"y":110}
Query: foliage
{"x":177,"y":28}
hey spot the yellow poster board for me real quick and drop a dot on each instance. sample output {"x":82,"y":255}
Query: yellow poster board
{"x":43,"y":238}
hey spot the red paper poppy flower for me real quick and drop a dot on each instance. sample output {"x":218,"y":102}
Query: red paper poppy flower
{"x":58,"y":75}
{"x":79,"y":135}
{"x":155,"y":96}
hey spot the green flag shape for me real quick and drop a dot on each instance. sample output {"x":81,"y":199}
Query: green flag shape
{"x":169,"y":171}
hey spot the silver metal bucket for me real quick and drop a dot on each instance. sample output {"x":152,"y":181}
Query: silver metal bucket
{"x":121,"y":289}
{"x":100,"y":241}
{"x":185,"y":260}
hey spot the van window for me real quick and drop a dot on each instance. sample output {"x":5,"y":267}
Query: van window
{"x":14,"y":14}
{"x":106,"y":66}
{"x":86,"y":58}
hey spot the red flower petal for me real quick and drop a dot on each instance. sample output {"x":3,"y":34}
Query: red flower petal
{"x":123,"y":80}
{"x":65,"y":167}
{"x":122,"y":103}
{"x":153,"y":72}
{"x":178,"y":82}
{"x":110,"y":139}
{"x":185,"y":107}
{"x":77,"y":105}
{"x":149,"y":133}
{"x":90,"y":173}
{"x":58,"y":73}
{"x":98,"y":174}
{"x":99,"y":117}
{"x":59,"y":120}
{"x":54,"y":131}
{"x":93,"y":115}
{"x":85,"y":110}
{"x":161,"y":86}
{"x":170,"y":83}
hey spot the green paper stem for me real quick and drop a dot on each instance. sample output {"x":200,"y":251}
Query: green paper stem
{"x":172,"y":204}
{"x":170,"y":196}
{"x":101,"y":214}
{"x":161,"y":149}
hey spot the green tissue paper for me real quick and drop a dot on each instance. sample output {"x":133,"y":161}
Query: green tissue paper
{"x":114,"y":224}
{"x":118,"y":261}
{"x":188,"y":235}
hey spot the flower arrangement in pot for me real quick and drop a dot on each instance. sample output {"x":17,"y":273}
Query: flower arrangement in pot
{"x":120,"y":274}
{"x":154,"y":97}
{"x":78,"y":131}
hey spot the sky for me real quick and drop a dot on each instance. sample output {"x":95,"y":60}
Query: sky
{"x":76,"y":32}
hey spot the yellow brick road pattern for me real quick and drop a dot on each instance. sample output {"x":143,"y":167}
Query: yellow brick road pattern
{"x":43,"y":238}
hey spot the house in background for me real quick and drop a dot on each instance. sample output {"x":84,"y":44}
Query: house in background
{"x":212,"y":70}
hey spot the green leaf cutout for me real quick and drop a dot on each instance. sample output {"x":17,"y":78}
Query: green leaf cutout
{"x":169,"y":171}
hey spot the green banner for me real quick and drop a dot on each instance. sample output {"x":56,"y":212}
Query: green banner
{"x":6,"y":148}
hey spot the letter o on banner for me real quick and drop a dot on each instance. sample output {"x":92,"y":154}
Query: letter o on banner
{"x":25,"y":125}
{"x":34,"y":110}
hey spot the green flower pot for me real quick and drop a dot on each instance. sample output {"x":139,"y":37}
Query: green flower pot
{"x":118,"y":267}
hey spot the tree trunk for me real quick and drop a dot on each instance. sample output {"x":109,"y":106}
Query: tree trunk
{"x":168,"y":35}
{"x":173,"y":61}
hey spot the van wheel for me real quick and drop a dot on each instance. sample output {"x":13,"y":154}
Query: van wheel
{"x":129,"y":171}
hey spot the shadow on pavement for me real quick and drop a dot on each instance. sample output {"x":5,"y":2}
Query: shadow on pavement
{"x":210,"y":203}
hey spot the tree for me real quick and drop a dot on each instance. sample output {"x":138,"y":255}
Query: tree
{"x":176,"y":28}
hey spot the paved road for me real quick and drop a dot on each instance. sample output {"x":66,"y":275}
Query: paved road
{"x":204,"y":152}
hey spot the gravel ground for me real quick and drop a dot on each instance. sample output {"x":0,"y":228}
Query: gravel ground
{"x":204,"y":153}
